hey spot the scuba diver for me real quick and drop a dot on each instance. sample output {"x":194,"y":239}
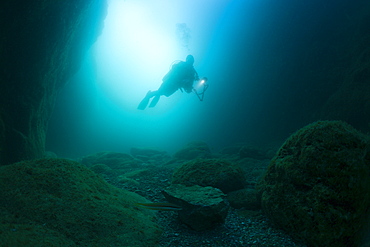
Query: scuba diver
{"x":181,"y":76}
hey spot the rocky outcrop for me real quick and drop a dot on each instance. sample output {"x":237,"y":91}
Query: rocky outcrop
{"x":149,"y":154}
{"x":42,"y":44}
{"x":203,"y":208}
{"x":193,"y":150}
{"x":317,"y":187}
{"x":113,"y":160}
{"x":58,"y":202}
{"x":217,"y":173}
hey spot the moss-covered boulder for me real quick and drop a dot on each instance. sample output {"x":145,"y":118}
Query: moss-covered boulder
{"x":216,"y":173}
{"x":67,"y":204}
{"x":193,"y":150}
{"x":317,"y":187}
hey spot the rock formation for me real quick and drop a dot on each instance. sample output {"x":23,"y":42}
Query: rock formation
{"x":42,"y":44}
{"x":59,"y":202}
{"x":317,"y":186}
{"x":217,"y":173}
{"x":203,"y":208}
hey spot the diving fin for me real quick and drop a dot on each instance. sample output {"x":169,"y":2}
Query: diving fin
{"x":144,"y":102}
{"x":154,"y":101}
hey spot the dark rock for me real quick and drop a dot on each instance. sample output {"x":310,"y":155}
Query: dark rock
{"x":253,"y":170}
{"x":193,"y":150}
{"x":103,"y":169}
{"x":217,"y":173}
{"x":203,"y":207}
{"x":245,"y":198}
{"x":317,"y":187}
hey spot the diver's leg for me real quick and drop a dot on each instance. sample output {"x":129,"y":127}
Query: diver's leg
{"x":155,"y":100}
{"x":168,"y":92}
{"x":145,"y":101}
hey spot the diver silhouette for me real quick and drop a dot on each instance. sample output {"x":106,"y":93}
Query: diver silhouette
{"x":181,"y":76}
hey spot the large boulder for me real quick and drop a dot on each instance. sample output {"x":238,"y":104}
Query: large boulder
{"x":217,"y":173}
{"x":57,"y":202}
{"x":317,"y":187}
{"x":203,"y":208}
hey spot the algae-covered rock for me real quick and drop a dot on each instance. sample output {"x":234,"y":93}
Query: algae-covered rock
{"x":66,"y":201}
{"x":203,"y":208}
{"x":217,"y":173}
{"x":193,"y":150}
{"x":317,"y":187}
{"x":30,"y":235}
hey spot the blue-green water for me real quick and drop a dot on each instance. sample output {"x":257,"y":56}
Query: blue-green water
{"x":268,"y":64}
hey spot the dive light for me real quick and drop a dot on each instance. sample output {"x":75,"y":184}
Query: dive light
{"x":201,"y":84}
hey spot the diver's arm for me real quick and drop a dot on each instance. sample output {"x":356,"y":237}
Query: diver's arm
{"x":188,"y":86}
{"x":196,"y":76}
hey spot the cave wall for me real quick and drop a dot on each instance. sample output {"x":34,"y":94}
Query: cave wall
{"x":351,"y":101}
{"x":42,"y":44}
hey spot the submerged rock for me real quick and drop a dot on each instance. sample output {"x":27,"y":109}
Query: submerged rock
{"x":317,"y":187}
{"x":58,"y":202}
{"x":217,"y":173}
{"x":193,"y":150}
{"x":114,"y":160}
{"x":203,"y":207}
{"x":244,"y":198}
{"x":149,"y":154}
